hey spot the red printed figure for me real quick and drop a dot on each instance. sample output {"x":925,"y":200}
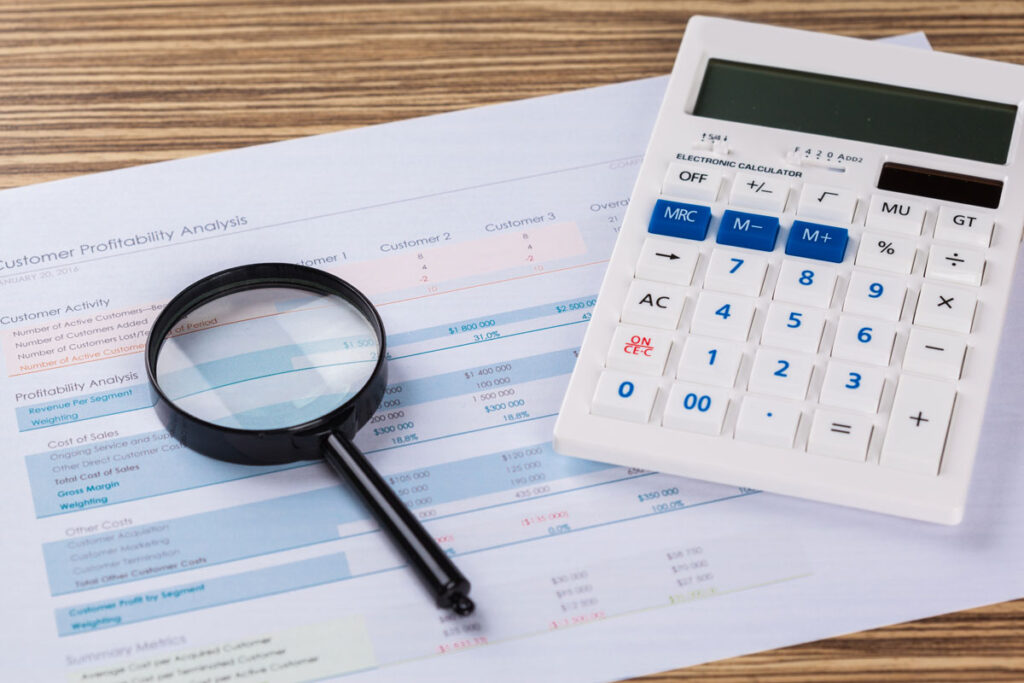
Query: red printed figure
{"x":639,"y":346}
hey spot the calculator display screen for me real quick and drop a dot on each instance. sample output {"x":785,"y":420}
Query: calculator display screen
{"x":857,"y":110}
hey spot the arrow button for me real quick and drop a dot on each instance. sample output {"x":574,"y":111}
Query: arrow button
{"x":666,"y":260}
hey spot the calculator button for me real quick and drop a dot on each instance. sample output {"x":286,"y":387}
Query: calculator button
{"x":793,"y":327}
{"x":827,"y":203}
{"x":640,"y":349}
{"x":726,"y":316}
{"x":899,"y":215}
{"x":673,"y":219}
{"x":805,"y":283}
{"x":748,"y":230}
{"x":624,"y":396}
{"x":840,"y":435}
{"x":816,"y":241}
{"x":666,"y":260}
{"x":963,"y":227}
{"x":736,"y":272}
{"x":757,"y":192}
{"x":696,"y":408}
{"x":945,"y":308}
{"x":955,"y":264}
{"x":918,"y":424}
{"x":853,"y":387}
{"x":709,"y":361}
{"x":879,"y":296}
{"x":867,"y":341}
{"x":935,"y":353}
{"x":781,"y":373}
{"x":886,"y":253}
{"x":692,"y":182}
{"x":767,"y":421}
{"x":654,"y":304}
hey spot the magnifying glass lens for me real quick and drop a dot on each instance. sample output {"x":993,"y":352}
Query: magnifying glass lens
{"x":267,"y":358}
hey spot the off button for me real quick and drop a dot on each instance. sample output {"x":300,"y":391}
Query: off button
{"x":691,"y":182}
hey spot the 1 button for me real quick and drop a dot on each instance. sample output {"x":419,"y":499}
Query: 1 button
{"x":696,"y":408}
{"x":963,"y":227}
{"x":955,"y":264}
{"x":840,"y":435}
{"x":759,"y":193}
{"x":886,"y":253}
{"x":748,"y":230}
{"x":945,"y":308}
{"x":709,"y":361}
{"x":691,"y":182}
{"x":654,"y":304}
{"x":805,"y":283}
{"x":918,"y":424}
{"x":898,"y":215}
{"x":624,"y":396}
{"x":827,"y":203}
{"x":735,"y":272}
{"x":673,"y":219}
{"x":879,"y":296}
{"x":725,"y":316}
{"x":666,"y":260}
{"x":935,"y":353}
{"x":767,"y":421}
{"x":639,"y":349}
{"x":821,"y":242}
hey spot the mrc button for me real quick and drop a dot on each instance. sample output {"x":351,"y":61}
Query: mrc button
{"x":674,"y":219}
{"x":821,"y":242}
{"x":748,"y":230}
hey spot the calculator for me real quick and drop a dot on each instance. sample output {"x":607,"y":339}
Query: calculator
{"x":809,"y":284}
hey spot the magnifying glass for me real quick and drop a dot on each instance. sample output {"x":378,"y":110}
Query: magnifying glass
{"x":274,"y":363}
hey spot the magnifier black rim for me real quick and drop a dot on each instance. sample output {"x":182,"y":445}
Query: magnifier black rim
{"x":259,"y":276}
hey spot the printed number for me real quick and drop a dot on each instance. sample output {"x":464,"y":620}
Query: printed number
{"x":875,"y":290}
{"x":724,"y":312}
{"x":713,"y":353}
{"x":794,"y":319}
{"x":738,"y":262}
{"x":854,"y":380}
{"x":701,"y":403}
{"x":626,"y":389}
{"x":783,"y":366}
{"x":864,"y":335}
{"x":807,"y":277}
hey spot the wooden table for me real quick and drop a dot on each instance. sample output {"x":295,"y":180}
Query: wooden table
{"x":91,"y":85}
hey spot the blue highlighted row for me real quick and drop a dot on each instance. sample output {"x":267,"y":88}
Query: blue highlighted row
{"x":748,"y":230}
{"x":162,"y":602}
{"x":125,"y":554}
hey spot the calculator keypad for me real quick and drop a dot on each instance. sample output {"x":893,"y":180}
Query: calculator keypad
{"x":780,"y":340}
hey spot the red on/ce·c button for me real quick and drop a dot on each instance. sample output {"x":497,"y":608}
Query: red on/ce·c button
{"x":640,"y":349}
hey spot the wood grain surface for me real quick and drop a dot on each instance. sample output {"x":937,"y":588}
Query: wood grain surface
{"x":91,"y":85}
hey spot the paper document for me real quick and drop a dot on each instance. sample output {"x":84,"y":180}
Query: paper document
{"x":482,"y":236}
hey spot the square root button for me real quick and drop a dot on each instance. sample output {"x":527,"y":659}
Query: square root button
{"x":816,"y":241}
{"x":748,"y":230}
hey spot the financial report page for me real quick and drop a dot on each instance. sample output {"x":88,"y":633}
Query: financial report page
{"x":132,"y":558}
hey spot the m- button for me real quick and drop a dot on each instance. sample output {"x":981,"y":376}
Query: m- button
{"x":690,"y":181}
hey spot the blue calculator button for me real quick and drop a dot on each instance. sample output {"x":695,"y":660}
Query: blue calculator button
{"x":821,"y":242}
{"x":673,"y":219}
{"x":748,"y":230}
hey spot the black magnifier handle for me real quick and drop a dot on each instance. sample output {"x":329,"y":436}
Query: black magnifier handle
{"x":438,"y":572}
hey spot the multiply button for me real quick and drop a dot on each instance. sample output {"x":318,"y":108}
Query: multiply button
{"x":692,"y":182}
{"x":653,"y":303}
{"x":673,"y":219}
{"x":639,"y":349}
{"x":748,"y":230}
{"x":945,"y":308}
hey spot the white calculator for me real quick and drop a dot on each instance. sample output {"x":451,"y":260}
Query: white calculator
{"x":809,"y":285}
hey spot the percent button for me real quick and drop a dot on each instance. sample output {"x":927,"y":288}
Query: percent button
{"x":883,"y":252}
